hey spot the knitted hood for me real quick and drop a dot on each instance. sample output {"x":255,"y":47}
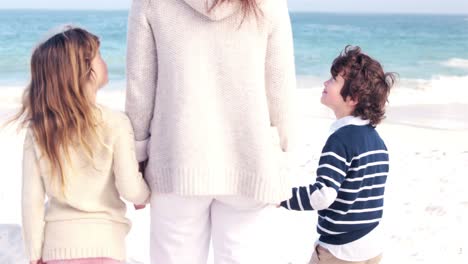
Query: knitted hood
{"x":220,"y":12}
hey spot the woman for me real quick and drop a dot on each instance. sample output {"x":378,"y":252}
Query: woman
{"x":208,"y":94}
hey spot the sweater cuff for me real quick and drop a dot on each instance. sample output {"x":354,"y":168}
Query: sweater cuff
{"x":35,"y":254}
{"x":141,"y":149}
{"x":285,"y":205}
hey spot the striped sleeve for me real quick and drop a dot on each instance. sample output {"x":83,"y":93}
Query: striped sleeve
{"x":331,"y":172}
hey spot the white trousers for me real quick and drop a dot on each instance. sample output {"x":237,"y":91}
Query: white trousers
{"x":181,"y":228}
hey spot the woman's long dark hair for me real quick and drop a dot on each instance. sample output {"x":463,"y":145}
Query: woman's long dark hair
{"x":249,"y":7}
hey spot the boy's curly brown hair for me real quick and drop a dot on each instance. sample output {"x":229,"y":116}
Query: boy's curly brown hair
{"x":365,"y":82}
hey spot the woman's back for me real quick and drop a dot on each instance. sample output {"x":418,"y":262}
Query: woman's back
{"x":213,"y":90}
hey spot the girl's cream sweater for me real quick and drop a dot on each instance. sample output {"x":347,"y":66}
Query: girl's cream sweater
{"x":90,"y":221}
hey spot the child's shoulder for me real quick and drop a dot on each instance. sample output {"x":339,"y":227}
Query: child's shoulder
{"x":352,"y":134}
{"x":114,"y":119}
{"x":358,"y":136}
{"x":355,"y":130}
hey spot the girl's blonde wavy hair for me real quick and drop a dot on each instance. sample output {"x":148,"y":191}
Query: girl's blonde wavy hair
{"x":58,"y":105}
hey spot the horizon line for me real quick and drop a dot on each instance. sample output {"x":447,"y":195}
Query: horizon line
{"x":291,"y":10}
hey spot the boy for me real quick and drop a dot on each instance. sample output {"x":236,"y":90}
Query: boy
{"x":349,"y":188}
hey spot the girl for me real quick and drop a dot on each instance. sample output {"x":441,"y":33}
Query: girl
{"x":78,"y":154}
{"x":209,"y":85}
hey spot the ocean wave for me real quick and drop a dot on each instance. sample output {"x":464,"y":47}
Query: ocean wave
{"x":10,"y":97}
{"x":456,"y":63}
{"x":331,"y":28}
{"x":439,"y":89}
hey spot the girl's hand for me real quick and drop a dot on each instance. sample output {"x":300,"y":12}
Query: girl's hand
{"x":142,"y":166}
{"x":143,"y":205}
{"x":36,"y":261}
{"x":139,"y":206}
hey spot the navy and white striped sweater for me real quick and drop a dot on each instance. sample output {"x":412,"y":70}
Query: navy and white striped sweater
{"x":350,"y":184}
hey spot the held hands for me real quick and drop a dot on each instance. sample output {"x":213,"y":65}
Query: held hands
{"x":141,"y":168}
{"x":139,"y":206}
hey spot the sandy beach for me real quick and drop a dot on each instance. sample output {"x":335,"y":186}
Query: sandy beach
{"x":426,"y":205}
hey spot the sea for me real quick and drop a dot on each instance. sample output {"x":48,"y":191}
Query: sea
{"x":427,"y":51}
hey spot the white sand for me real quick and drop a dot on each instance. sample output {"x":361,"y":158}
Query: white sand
{"x":426,"y":205}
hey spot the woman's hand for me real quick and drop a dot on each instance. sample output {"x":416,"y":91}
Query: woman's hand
{"x":142,"y":166}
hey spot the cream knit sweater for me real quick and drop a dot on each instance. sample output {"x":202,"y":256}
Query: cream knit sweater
{"x":91,"y":221}
{"x":210,"y":98}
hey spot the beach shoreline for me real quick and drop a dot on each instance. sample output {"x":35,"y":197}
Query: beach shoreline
{"x":425,"y":206}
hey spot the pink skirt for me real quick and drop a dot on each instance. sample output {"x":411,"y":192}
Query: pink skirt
{"x":85,"y":261}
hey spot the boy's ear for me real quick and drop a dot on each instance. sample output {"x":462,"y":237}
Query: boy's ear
{"x":351,"y":102}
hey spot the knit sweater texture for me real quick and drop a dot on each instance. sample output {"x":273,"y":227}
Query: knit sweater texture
{"x":209,"y":95}
{"x":89,"y":220}
{"x":348,"y":191}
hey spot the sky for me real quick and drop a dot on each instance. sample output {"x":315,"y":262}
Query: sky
{"x":338,"y":6}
